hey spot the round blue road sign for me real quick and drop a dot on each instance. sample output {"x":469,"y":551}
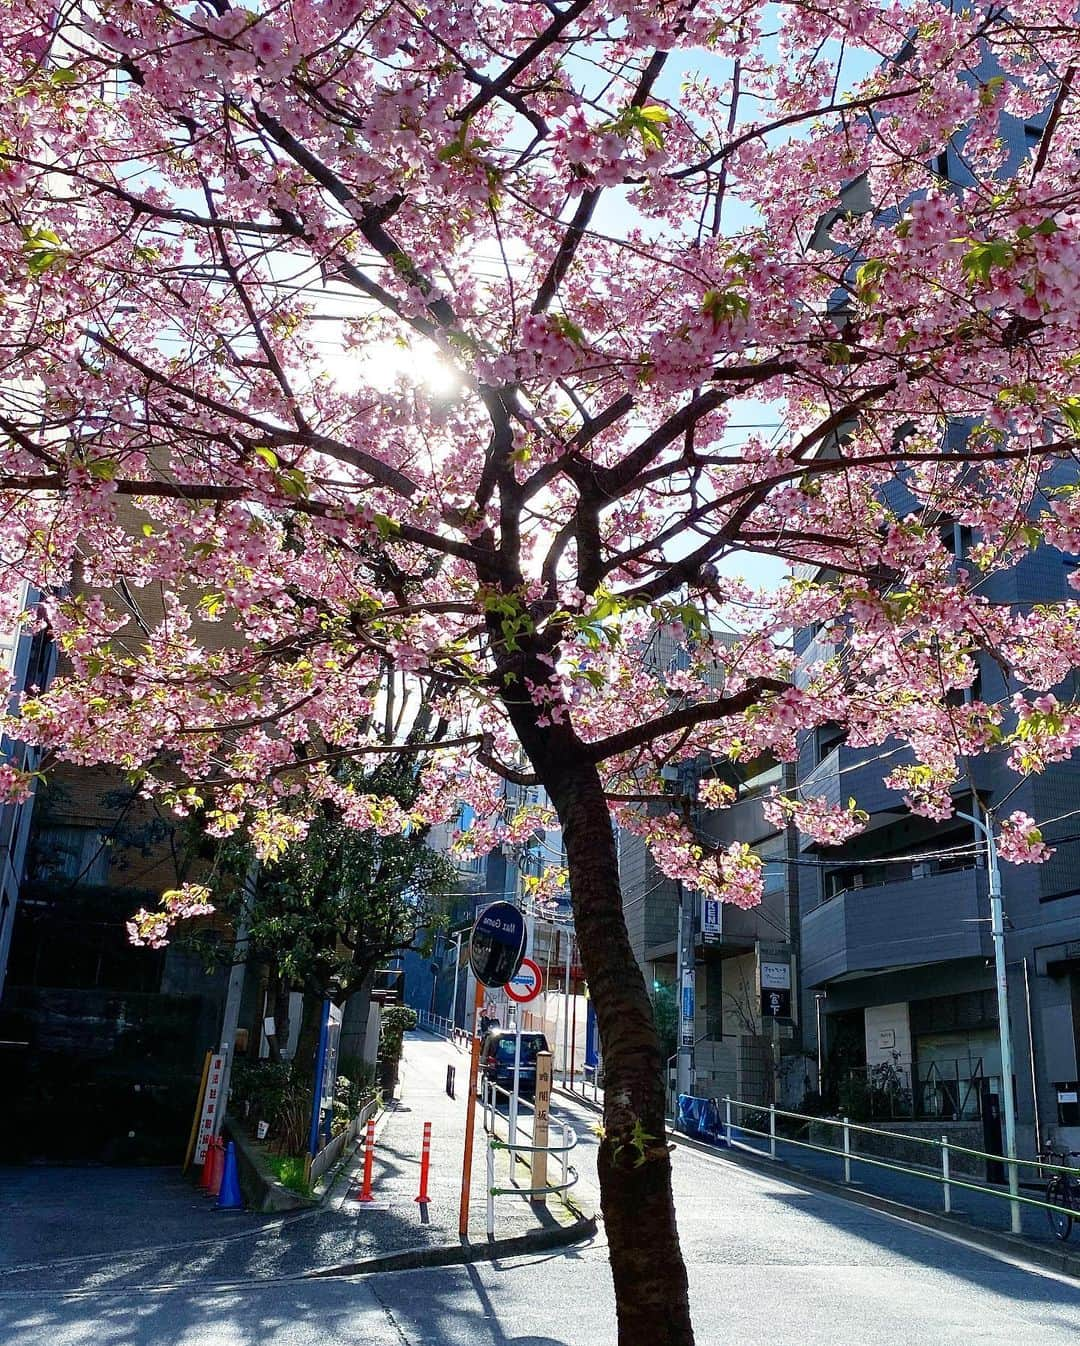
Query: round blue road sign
{"x":497,"y":944}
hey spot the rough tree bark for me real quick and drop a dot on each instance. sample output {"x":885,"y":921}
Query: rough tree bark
{"x":651,"y":1293}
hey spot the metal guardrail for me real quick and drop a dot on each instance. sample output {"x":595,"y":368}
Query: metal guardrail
{"x":588,"y":1087}
{"x":435,"y":1023}
{"x":586,"y":1071}
{"x":334,"y":1148}
{"x":944,"y":1147}
{"x":489,"y":1098}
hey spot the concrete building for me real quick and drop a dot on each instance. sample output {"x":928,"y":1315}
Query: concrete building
{"x":503,"y":875}
{"x":895,"y":928}
{"x":30,"y":660}
{"x":741,"y":1046}
{"x":745,"y":1044}
{"x":895,"y":931}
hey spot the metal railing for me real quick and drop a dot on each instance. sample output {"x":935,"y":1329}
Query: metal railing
{"x":435,"y":1023}
{"x":733,"y":1130}
{"x":588,"y":1086}
{"x":513,"y":1148}
{"x":489,"y":1103}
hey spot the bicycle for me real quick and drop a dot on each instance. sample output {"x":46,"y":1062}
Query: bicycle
{"x":1062,"y":1192}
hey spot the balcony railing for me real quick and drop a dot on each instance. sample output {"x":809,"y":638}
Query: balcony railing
{"x":898,"y":871}
{"x":911,"y":920}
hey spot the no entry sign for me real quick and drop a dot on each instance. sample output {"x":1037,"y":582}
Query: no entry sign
{"x":526,"y":984}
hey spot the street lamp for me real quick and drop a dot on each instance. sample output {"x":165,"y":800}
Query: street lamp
{"x":997,"y":930}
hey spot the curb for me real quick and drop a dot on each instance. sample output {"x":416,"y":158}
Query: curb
{"x":577,"y":1098}
{"x":445,"y":1255}
{"x":1067,"y":1264}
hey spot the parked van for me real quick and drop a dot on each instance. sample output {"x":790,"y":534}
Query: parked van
{"x":497,"y":1058}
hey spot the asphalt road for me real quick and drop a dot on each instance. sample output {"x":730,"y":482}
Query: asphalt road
{"x":769,"y":1264}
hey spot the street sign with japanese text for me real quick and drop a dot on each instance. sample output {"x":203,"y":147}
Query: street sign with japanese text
{"x":210,"y":1104}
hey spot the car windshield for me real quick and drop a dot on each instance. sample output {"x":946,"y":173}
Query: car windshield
{"x":530,"y":1045}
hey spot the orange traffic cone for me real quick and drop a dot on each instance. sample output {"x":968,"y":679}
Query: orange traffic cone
{"x":217,"y":1168}
{"x":207,"y":1171}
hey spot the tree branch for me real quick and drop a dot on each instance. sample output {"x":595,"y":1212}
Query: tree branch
{"x":685,"y":718}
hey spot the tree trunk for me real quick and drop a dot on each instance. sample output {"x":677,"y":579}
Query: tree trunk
{"x":634,"y":1164}
{"x":307,"y":1045}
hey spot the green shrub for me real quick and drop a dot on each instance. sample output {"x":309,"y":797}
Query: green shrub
{"x":395,"y":1023}
{"x":354,"y":1085}
{"x":289,"y":1171}
{"x":277,"y":1092}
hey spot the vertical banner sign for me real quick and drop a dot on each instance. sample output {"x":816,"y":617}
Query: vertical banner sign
{"x":333,"y":1042}
{"x":592,"y":1036}
{"x":194,"y":1134}
{"x":211,"y":1100}
{"x":541,"y":1121}
{"x":711,"y":927}
{"x":686,"y":1030}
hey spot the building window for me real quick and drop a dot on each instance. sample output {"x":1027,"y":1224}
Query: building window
{"x":957,"y":539}
{"x":826,"y":738}
{"x":76,"y":855}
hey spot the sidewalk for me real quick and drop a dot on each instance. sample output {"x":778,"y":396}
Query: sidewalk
{"x":975,"y":1210}
{"x":395,"y":1221}
{"x":150,"y":1228}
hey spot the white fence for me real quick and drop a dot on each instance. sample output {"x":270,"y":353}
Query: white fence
{"x":332,"y":1152}
{"x":435,"y":1023}
{"x":490,"y":1095}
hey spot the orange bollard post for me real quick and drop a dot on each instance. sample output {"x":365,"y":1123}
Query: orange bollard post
{"x":369,"y":1158}
{"x":425,"y":1165}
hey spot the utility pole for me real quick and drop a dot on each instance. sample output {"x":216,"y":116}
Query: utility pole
{"x":457,"y":973}
{"x":685,"y":990}
{"x":997,"y":931}
{"x":686,"y":952}
{"x":230,"y":1019}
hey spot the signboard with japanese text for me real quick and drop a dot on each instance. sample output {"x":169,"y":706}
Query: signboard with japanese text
{"x":210,"y":1103}
{"x":774,"y":977}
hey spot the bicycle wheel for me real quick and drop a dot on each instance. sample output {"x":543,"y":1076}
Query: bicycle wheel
{"x":1058,"y":1194}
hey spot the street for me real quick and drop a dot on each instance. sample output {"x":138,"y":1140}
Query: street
{"x":769,"y":1263}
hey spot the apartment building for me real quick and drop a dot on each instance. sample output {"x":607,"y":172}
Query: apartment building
{"x":29,"y":658}
{"x":745,"y":1042}
{"x":895,"y":924}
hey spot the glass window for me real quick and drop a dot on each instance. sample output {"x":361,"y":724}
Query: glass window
{"x":76,"y":854}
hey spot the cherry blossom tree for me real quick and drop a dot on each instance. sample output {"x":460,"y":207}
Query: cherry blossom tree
{"x":481,"y":341}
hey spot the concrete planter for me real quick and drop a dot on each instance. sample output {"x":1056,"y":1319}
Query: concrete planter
{"x":262,"y":1191}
